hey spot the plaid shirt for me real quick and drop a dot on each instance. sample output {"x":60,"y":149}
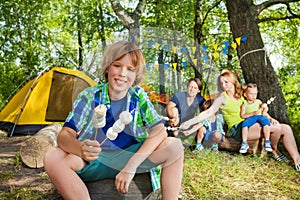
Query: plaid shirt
{"x":145,"y":116}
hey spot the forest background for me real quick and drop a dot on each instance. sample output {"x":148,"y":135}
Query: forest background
{"x":258,"y":40}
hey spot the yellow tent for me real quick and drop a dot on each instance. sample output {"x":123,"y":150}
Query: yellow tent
{"x":46,"y":99}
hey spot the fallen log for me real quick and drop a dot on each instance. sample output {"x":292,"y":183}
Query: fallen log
{"x":33,"y":149}
{"x":139,"y":188}
{"x":232,"y":145}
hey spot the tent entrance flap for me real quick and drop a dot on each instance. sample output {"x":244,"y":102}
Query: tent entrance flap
{"x":64,"y":89}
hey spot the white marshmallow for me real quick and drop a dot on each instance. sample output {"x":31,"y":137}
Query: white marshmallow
{"x":110,"y":134}
{"x":118,"y":126}
{"x":126,"y":117}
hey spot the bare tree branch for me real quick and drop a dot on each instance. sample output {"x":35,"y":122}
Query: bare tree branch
{"x":267,"y":4}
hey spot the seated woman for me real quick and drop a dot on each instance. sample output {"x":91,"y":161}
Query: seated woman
{"x":230,"y":101}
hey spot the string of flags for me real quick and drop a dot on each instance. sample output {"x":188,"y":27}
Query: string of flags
{"x":215,"y":51}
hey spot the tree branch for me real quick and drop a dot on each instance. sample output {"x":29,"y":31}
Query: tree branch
{"x":267,"y":4}
{"x":276,"y":18}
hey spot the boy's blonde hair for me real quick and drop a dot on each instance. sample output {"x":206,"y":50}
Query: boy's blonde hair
{"x":119,"y":49}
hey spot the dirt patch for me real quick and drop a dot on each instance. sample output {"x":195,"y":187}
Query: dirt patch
{"x":15,"y":175}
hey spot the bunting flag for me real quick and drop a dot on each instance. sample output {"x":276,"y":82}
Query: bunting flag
{"x":233,"y":45}
{"x":224,"y":50}
{"x":193,"y":49}
{"x":226,"y":44}
{"x":215,"y":55}
{"x":166,"y":47}
{"x":215,"y":46}
{"x":150,"y":43}
{"x":195,"y":61}
{"x":205,"y":58}
{"x":238,"y":40}
{"x":156,"y":66}
{"x":157,"y":46}
{"x":174,"y":65}
{"x":205,"y":51}
{"x":174,"y":49}
{"x":244,"y":38}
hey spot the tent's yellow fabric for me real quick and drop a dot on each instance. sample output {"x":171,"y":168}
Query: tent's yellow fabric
{"x":32,"y":102}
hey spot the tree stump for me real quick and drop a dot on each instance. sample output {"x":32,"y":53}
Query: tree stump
{"x":33,"y":149}
{"x":232,"y":145}
{"x":139,"y":188}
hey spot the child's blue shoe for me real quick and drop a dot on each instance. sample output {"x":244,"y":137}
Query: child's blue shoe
{"x":244,"y":147}
{"x":215,"y":147}
{"x":268,"y":146}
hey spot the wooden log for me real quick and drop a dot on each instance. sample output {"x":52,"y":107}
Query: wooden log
{"x":139,"y":188}
{"x":32,"y":150}
{"x":232,"y":145}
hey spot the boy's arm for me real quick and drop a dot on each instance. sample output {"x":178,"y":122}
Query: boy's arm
{"x":243,"y":112}
{"x":264,"y":108}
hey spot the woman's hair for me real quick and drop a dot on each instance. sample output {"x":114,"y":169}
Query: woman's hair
{"x":233,"y":79}
{"x":119,"y":49}
{"x":197,"y":81}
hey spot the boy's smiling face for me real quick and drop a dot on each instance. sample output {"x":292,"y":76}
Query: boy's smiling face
{"x":121,"y":76}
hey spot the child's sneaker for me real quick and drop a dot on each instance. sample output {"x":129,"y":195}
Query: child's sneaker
{"x":268,"y":146}
{"x":244,"y":147}
{"x":198,"y":148}
{"x":215,"y":148}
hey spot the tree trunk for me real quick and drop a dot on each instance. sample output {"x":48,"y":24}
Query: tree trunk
{"x":255,"y":63}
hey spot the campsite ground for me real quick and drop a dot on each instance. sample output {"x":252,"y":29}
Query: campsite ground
{"x":18,"y":181}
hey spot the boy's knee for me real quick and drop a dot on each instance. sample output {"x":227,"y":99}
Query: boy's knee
{"x":49,"y":158}
{"x":175,"y":145}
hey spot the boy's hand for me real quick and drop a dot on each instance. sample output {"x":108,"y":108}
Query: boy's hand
{"x":255,"y":113}
{"x":90,"y":150}
{"x":123,"y":180}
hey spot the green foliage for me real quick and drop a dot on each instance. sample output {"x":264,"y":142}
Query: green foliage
{"x":38,"y":34}
{"x":289,"y":78}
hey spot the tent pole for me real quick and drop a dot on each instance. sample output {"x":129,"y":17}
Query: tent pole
{"x":25,"y":100}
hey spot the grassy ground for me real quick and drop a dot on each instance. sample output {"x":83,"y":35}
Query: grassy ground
{"x":207,"y":175}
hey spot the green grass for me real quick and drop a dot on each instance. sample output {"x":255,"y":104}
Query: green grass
{"x":208,"y":175}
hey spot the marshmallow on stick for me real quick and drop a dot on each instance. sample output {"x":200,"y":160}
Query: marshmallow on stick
{"x":265,"y":105}
{"x":271,"y":100}
{"x":99,"y":118}
{"x":126,"y":117}
{"x":99,"y":115}
{"x":112,"y":133}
